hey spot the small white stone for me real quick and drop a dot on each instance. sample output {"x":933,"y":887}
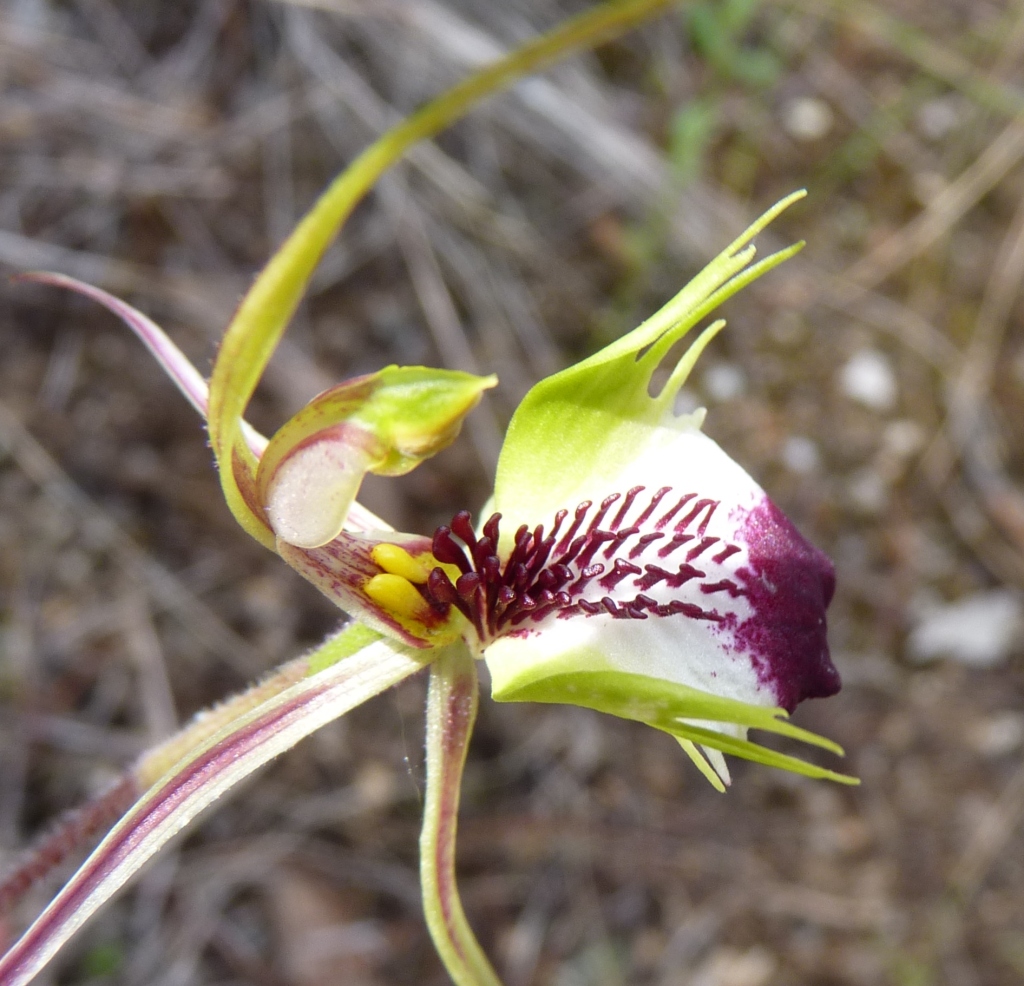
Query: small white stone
{"x":731,"y":967}
{"x":869,"y":378}
{"x":868,"y":491}
{"x":724,"y":381}
{"x":937,"y":117}
{"x":998,"y":734}
{"x":807,"y":118}
{"x":904,"y":437}
{"x":801,"y":455}
{"x":980,"y":631}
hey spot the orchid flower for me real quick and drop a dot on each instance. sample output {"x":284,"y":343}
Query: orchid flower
{"x":626,"y":563}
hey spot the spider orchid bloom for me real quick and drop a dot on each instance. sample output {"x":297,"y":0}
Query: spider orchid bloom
{"x":629,"y":565}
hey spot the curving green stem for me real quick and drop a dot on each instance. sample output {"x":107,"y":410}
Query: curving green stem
{"x":451,"y":712}
{"x":264,"y":313}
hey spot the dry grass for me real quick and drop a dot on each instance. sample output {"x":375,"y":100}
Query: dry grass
{"x":161,"y":150}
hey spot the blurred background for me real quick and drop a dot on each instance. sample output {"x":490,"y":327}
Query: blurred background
{"x":874,"y":385}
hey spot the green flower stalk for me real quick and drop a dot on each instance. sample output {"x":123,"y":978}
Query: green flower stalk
{"x":627,"y":564}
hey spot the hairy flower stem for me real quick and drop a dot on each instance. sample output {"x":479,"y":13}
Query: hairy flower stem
{"x":156,"y":762}
{"x":451,"y":712}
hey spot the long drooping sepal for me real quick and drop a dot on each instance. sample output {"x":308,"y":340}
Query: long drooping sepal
{"x":451,"y":712}
{"x":268,"y":306}
{"x":71,"y":833}
{"x":598,"y":413}
{"x":346,"y":670}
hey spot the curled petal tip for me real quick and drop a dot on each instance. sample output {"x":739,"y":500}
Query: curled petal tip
{"x":385,"y":423}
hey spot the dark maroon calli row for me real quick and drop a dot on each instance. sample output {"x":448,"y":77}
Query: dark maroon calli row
{"x":597,"y":565}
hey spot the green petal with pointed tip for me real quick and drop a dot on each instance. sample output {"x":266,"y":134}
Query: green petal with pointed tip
{"x":759,"y":754}
{"x":672,"y":708}
{"x":596,"y":413}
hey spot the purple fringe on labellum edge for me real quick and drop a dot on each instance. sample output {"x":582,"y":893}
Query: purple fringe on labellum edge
{"x":789,"y":583}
